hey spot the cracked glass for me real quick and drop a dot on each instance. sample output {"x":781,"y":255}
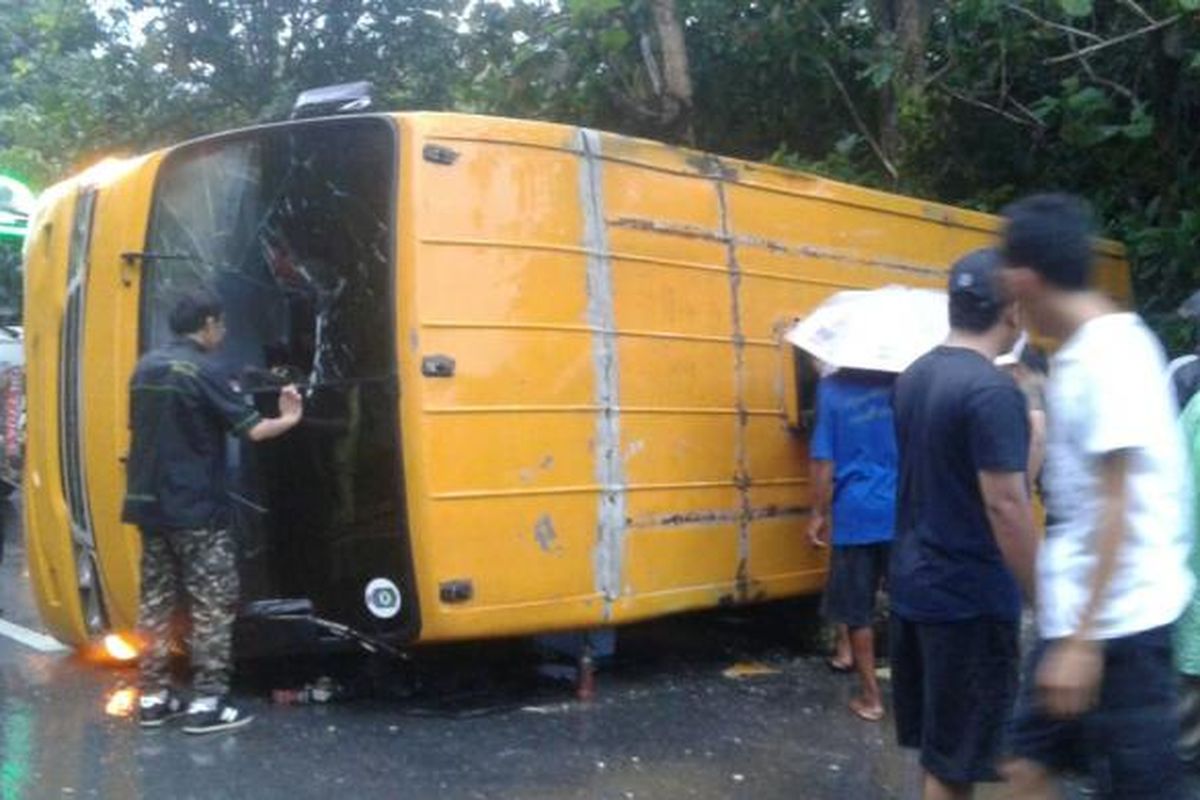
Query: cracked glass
{"x":292,"y":227}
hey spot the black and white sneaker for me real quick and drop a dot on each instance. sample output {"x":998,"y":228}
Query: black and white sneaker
{"x":209,"y":715}
{"x":154,"y":711}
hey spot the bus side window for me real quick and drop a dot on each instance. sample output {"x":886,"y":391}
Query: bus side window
{"x":799,"y":387}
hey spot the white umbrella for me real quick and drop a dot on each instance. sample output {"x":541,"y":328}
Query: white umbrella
{"x":881,"y":329}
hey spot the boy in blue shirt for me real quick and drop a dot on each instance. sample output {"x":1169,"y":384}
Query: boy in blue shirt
{"x":853,"y":454}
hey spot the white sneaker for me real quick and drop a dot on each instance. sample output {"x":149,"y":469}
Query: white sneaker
{"x":211,"y":714}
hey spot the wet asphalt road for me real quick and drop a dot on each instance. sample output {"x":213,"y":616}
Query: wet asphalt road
{"x":468,"y":722}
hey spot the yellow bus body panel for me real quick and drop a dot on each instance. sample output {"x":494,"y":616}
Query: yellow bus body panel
{"x":706,"y":262}
{"x":109,"y":341}
{"x":613,"y":444}
{"x":110,"y":354}
{"x":47,"y":532}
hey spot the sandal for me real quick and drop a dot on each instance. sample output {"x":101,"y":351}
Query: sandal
{"x":839,"y":666}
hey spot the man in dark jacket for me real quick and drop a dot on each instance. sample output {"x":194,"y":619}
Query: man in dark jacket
{"x":181,"y":411}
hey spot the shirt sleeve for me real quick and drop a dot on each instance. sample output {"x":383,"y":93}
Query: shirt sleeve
{"x":999,"y":429}
{"x":228,"y":406}
{"x":821,"y":446}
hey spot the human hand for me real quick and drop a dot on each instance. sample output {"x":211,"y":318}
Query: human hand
{"x":1068,"y":679}
{"x":818,"y":530}
{"x":291,"y":406}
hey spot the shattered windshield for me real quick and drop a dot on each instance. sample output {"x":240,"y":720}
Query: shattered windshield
{"x":292,"y":227}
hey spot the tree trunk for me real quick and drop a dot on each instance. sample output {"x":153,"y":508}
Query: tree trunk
{"x":904,"y":23}
{"x":676,"y":97}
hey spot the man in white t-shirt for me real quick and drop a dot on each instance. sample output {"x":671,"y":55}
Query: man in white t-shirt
{"x":1100,"y":693}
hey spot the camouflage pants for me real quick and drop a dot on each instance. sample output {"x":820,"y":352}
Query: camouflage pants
{"x":196,"y":570}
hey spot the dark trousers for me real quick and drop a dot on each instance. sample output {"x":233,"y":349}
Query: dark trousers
{"x":199,"y":566}
{"x":1128,"y":741}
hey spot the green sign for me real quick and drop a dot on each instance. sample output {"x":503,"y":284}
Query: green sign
{"x":16,"y":206}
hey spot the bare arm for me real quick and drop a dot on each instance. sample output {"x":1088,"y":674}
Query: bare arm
{"x":1110,"y":536}
{"x":1006,"y":500}
{"x":821,"y":477}
{"x":1037,"y":442}
{"x":291,"y":409}
{"x":1071,"y":672}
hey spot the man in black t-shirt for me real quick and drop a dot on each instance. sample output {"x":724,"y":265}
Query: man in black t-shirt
{"x":965,"y":542}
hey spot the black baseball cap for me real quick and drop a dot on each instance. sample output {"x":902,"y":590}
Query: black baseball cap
{"x":976,"y":276}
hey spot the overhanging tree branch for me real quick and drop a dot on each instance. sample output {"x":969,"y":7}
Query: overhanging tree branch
{"x":858,"y":121}
{"x":1137,"y":9}
{"x":1095,"y":78}
{"x":1033,"y":121}
{"x":1115,"y":40}
{"x":1058,"y":26}
{"x":1026,"y":110}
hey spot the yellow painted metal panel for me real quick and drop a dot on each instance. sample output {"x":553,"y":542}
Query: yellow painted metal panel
{"x":47,"y":532}
{"x":671,"y":301}
{"x":657,"y":562}
{"x":110,"y":353}
{"x":634,"y":200}
{"x":1113,"y":276}
{"x":520,"y":364}
{"x":664,"y":505}
{"x":109,"y":341}
{"x":412,"y":189}
{"x":501,"y":194}
{"x":676,"y":373}
{"x":522,"y":346}
{"x":683,"y":450}
{"x":774,"y":451}
{"x":702,"y":391}
{"x":471,"y":454}
{"x":537,"y":287}
{"x":779,"y":553}
{"x":542,"y":542}
{"x":840,"y":233}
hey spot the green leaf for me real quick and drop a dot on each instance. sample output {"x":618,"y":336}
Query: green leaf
{"x":1044,"y":107}
{"x":847,"y":144}
{"x":1087,"y":99}
{"x":879,"y":73}
{"x":614,"y":39}
{"x":1076,"y":8}
{"x":592,"y":7}
{"x":1190,"y":5}
{"x":1141,"y":124}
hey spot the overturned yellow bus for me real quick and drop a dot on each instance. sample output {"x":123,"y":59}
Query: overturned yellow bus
{"x":545,"y":378}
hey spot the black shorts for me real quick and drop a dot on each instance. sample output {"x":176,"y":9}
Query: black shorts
{"x":953,"y":687}
{"x":1127,"y":743}
{"x":855,"y":575}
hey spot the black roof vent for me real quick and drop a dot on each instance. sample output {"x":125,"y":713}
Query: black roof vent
{"x":324,"y":101}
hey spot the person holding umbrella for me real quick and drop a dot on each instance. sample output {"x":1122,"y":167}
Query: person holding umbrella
{"x":862,"y":339}
{"x":853,"y":454}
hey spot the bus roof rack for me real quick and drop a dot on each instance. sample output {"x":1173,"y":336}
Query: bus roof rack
{"x":323,"y":101}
